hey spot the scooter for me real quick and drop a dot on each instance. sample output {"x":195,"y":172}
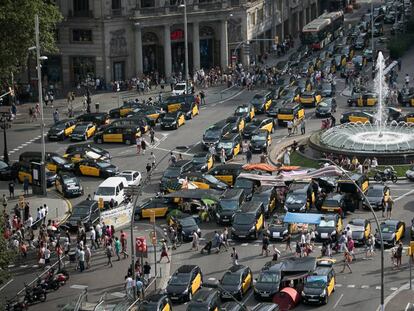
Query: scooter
{"x":388,"y":174}
{"x":34,"y":294}
{"x":15,"y":305}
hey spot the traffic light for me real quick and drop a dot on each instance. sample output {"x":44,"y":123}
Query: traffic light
{"x":100,"y":203}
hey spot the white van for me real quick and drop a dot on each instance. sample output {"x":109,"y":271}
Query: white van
{"x":112,"y":188}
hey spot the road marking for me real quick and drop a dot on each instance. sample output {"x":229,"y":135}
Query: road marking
{"x":77,"y":286}
{"x":378,"y":287}
{"x":364,"y":286}
{"x":4,"y":286}
{"x":10,"y":266}
{"x":246,"y":298}
{"x":211,"y":279}
{"x":393,"y":288}
{"x":340,"y":298}
{"x":23,"y":266}
{"x":338,"y":285}
{"x":35,"y":266}
{"x":245,"y":244}
{"x":118,"y":294}
{"x":404,"y":195}
{"x":351,"y":286}
{"x":174,"y":151}
{"x":407,"y":308}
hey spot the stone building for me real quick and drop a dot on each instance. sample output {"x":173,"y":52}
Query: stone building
{"x":119,"y":39}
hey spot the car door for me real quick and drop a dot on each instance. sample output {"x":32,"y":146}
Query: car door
{"x":400,"y":231}
{"x":69,"y":128}
{"x":195,"y":110}
{"x":210,"y":162}
{"x":259,"y":221}
{"x":90,"y":130}
{"x":237,"y":143}
{"x":367,"y":230}
{"x":225,"y":176}
{"x":196,"y":283}
{"x":51,"y":166}
{"x":94,"y":170}
{"x":246,"y":280}
{"x":331,"y":282}
{"x":181,"y":119}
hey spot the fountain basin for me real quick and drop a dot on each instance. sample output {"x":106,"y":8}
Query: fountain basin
{"x":392,"y":144}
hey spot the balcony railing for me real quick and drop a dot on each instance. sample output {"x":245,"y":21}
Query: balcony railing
{"x":171,"y":9}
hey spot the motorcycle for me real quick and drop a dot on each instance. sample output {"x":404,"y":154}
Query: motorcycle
{"x":34,"y":294}
{"x":388,"y":174}
{"x":15,"y":305}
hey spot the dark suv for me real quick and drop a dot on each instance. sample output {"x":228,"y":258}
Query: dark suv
{"x":173,"y":172}
{"x":85,"y":213}
{"x":229,"y":203}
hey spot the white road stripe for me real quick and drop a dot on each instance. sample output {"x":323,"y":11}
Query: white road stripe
{"x":351,"y":286}
{"x":364,"y":286}
{"x":393,"y":288}
{"x":245,"y":244}
{"x":4,"y":286}
{"x":338,"y":285}
{"x":378,"y":287}
{"x":211,"y":279}
{"x":340,"y":298}
{"x":404,"y":195}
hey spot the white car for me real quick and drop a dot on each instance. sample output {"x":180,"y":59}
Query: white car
{"x":410,"y":173}
{"x":133,"y":177}
{"x":179,"y":89}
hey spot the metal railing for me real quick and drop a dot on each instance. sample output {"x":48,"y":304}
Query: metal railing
{"x":80,"y":300}
{"x":139,"y":298}
{"x":100,"y":302}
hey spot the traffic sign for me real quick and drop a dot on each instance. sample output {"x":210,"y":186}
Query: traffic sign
{"x":140,"y":245}
{"x":100,"y":203}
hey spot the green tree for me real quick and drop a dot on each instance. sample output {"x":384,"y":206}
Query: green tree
{"x":6,"y":255}
{"x":17,"y":31}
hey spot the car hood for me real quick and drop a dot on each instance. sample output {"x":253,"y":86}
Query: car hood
{"x":258,"y":143}
{"x":357,"y":235}
{"x":387,"y":236}
{"x":328,"y":230}
{"x":323,"y":109}
{"x":375,"y":200}
{"x":250,"y":128}
{"x":176,"y":289}
{"x":190,"y":229}
{"x":242,"y":228}
{"x":267,"y":287}
{"x":312,"y":291}
{"x":294,"y":206}
{"x":231,"y":288}
{"x":227,"y":213}
{"x":277,"y":229}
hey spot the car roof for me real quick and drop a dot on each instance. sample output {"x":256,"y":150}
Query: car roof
{"x":186,"y":269}
{"x":229,"y":136}
{"x":321,"y":270}
{"x":180,"y":163}
{"x":111,"y":181}
{"x":237,"y":269}
{"x":232,"y":193}
{"x":330,"y":217}
{"x":250,"y":207}
{"x":391,"y":222}
{"x":203,"y":295}
{"x":377,"y":187}
{"x":201,"y":154}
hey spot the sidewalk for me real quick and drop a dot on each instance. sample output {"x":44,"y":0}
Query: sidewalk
{"x":401,"y":299}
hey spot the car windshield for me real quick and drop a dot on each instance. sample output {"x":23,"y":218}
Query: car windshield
{"x":148,"y":306}
{"x":257,"y":101}
{"x":375,"y":193}
{"x":323,"y":104}
{"x":331,"y":202}
{"x":59,"y":160}
{"x":327,"y":223}
{"x":104,"y":164}
{"x":230,"y":279}
{"x":243,"y":219}
{"x":59,"y":126}
{"x":105,"y":191}
{"x":80,"y":128}
{"x":242,"y":110}
{"x":212,"y":179}
{"x":295,"y":198}
{"x":96,"y":149}
{"x":179,"y":87}
{"x":199,"y":159}
{"x":385,"y":228}
{"x":128,"y":177}
{"x":212,"y":134}
{"x":229,"y":204}
{"x":3,"y":165}
{"x":179,"y":279}
{"x":172,"y":172}
{"x":71,"y":180}
{"x":269,"y":277}
{"x":168,"y":119}
{"x":80,"y":210}
{"x":315,"y":283}
{"x":259,"y":137}
{"x":188,"y":222}
{"x":225,"y":145}
{"x":198,"y":306}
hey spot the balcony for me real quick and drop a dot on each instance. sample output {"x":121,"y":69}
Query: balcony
{"x":174,"y":9}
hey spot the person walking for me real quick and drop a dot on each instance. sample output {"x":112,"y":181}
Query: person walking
{"x":143,"y":145}
{"x":138,"y":143}
{"x":249,"y":156}
{"x":4,"y":202}
{"x":129,"y":287}
{"x":81,"y":256}
{"x":88,"y":256}
{"x":26,"y":185}
{"x":303,"y":127}
{"x":398,"y":255}
{"x":289,"y":127}
{"x":164,"y":251}
{"x":11,"y":189}
{"x":117,"y":248}
{"x":152,"y":136}
{"x":222,"y":156}
{"x":147,"y":272}
{"x":124,"y":244}
{"x":265,"y":245}
{"x":276,"y":253}
{"x":287,"y":240}
{"x":109,"y":253}
{"x":234,"y":257}
{"x":390,"y":205}
{"x":56,"y":116}
{"x":195,"y":242}
{"x":347,"y":262}
{"x":92,"y":237}
{"x":153,"y":160}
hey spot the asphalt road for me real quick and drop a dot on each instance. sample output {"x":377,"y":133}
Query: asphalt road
{"x":359,"y":290}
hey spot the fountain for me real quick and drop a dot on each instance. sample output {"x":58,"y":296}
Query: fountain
{"x":391,"y":143}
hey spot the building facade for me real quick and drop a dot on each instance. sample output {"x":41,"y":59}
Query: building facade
{"x":120,"y":39}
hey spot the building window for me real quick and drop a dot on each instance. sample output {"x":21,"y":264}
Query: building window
{"x":147,"y":3}
{"x":116,"y":4}
{"x":81,"y":8}
{"x":83,"y":68}
{"x":82,"y":35}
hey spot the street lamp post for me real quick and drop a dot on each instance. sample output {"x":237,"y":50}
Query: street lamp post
{"x":184,"y":5}
{"x":4,"y":126}
{"x":376,"y":222}
{"x":42,"y":123}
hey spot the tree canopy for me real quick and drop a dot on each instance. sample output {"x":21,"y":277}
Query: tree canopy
{"x":17,"y":33}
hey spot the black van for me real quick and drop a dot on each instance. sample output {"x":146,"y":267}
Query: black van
{"x":206,"y":299}
{"x":85,"y":213}
{"x":231,"y":143}
{"x":229,"y":203}
{"x":262,"y":101}
{"x":214,"y":133}
{"x":249,"y":221}
{"x":289,"y":112}
{"x":268,"y":282}
{"x":300,"y":197}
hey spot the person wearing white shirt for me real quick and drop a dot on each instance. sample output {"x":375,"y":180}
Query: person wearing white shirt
{"x":303,"y":239}
{"x":29,"y":221}
{"x":92,"y":235}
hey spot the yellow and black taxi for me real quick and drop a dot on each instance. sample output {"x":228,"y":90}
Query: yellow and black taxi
{"x":365,"y":99}
{"x":333,"y":203}
{"x":141,"y":122}
{"x":205,"y":181}
{"x":156,"y":302}
{"x":157,"y":206}
{"x":97,"y":118}
{"x":152,"y":113}
{"x":339,"y":61}
{"x":260,"y":141}
{"x":61,"y":130}
{"x":290,"y":94}
{"x":231,"y":144}
{"x":266,"y":195}
{"x":304,"y":84}
{"x":229,"y":203}
{"x":409,"y":117}
{"x":320,"y":285}
{"x":124,"y":110}
{"x":357,"y":116}
{"x":289,"y":112}
{"x":310,"y":98}
{"x":406,"y":97}
{"x":184,"y":283}
{"x":54,"y":162}
{"x":24,"y":170}
{"x":248,"y":222}
{"x":203,"y":161}
{"x":79,"y":152}
{"x":175,"y":103}
{"x":247,"y":112}
{"x":214,"y":133}
{"x":227,"y":173}
{"x":359,"y":62}
{"x":258,"y":124}
{"x":277,"y":229}
{"x":329,"y":227}
{"x":125,"y":134}
{"x":325,"y":108}
{"x":328,"y":67}
{"x":307,"y":68}
{"x":360,"y":230}
{"x":237,"y":123}
{"x":392,"y":230}
{"x":300,"y":197}
{"x":172,"y":120}
{"x":236,"y":282}
{"x":274,"y":107}
{"x":83,"y":131}
{"x":268,"y":281}
{"x":327,"y":89}
{"x":353,"y":198}
{"x":206,"y":299}
{"x":95,"y":168}
{"x":377,"y":196}
{"x":188,"y":224}
{"x":190,"y":110}
{"x":346,"y":50}
{"x":262,"y":101}
{"x":173,"y":172}
{"x":68,"y":185}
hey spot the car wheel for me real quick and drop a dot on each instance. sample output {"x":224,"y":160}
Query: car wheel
{"x":99,"y":140}
{"x":325,"y":301}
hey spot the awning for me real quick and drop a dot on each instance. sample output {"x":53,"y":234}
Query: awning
{"x":295,"y":276}
{"x":196,"y":194}
{"x":303,"y":218}
{"x":292,"y":293}
{"x":268,"y":168}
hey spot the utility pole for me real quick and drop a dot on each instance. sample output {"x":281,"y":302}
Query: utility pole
{"x":42,"y":123}
{"x":184,"y":5}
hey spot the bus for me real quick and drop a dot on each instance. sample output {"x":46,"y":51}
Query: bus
{"x":323,"y":30}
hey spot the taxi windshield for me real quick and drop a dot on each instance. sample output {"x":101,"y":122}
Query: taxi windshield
{"x":59,"y":126}
{"x":199,"y":159}
{"x":243,"y":219}
{"x":260,"y":137}
{"x":211,"y":179}
{"x":375,"y":193}
{"x":331,"y":202}
{"x":241,"y":110}
{"x":269,"y":277}
{"x":230,"y":279}
{"x":229,"y":204}
{"x":59,"y":160}
{"x":315,"y":283}
{"x":179,"y":87}
{"x":387,"y":228}
{"x":128,"y":177}
{"x":213,"y":133}
{"x":103,"y":164}
{"x":168,"y":119}
{"x":296,"y":198}
{"x":257,"y":100}
{"x":323,"y":104}
{"x":179,"y":279}
{"x":225,"y":145}
{"x":80,"y":210}
{"x":70,"y":180}
{"x":80,"y":128}
{"x":327,"y":223}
